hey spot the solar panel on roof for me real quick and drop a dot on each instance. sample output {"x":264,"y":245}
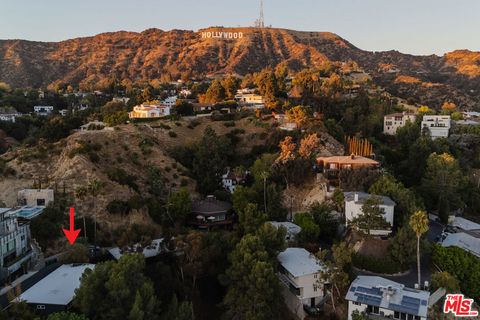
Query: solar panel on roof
{"x":404,"y":308}
{"x":424,"y":302}
{"x":410,"y":299}
{"x":373,"y":291}
{"x":352,"y":289}
{"x":370,"y":300}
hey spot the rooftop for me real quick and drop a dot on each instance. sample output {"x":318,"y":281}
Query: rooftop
{"x":58,"y":288}
{"x":387,"y":294}
{"x":349,"y":160}
{"x":362,"y":196}
{"x":465,"y":224}
{"x":210,"y":205}
{"x":299,"y":262}
{"x":464,"y":241}
{"x":28,"y":212}
{"x":291,"y":227}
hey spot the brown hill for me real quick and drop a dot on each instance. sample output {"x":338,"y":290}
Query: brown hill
{"x":153,"y":53}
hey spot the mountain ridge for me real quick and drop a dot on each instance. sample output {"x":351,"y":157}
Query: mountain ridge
{"x":89,"y":62}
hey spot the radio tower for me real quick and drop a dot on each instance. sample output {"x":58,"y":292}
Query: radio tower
{"x":260,"y":23}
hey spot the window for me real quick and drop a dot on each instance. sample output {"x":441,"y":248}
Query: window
{"x":375,"y":310}
{"x":396,"y":315}
{"x":356,"y":303}
{"x":40,"y":307}
{"x":40,"y":202}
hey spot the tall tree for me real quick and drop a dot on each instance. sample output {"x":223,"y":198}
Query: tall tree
{"x":215,"y":93}
{"x":419,"y":224}
{"x":372,"y":216}
{"x":442,"y":181}
{"x":211,"y":156}
{"x":116,"y":290}
{"x":254,"y":291}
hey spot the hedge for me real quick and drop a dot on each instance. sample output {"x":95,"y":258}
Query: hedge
{"x":384,"y":266}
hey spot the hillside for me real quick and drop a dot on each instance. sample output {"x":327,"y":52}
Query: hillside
{"x":153,"y":53}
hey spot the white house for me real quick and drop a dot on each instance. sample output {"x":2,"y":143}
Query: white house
{"x":381,"y":298}
{"x":292,"y":229}
{"x":145,"y":111}
{"x":462,"y":233}
{"x":230,"y":180}
{"x":15,"y":247}
{"x":9,"y":114}
{"x":353,"y":208}
{"x":63,"y":112}
{"x":43,"y":110}
{"x":55,"y":292}
{"x":392,"y":122}
{"x":300,"y":274}
{"x":462,"y":240}
{"x":439,"y":126}
{"x":35,"y":197}
{"x":170,"y":101}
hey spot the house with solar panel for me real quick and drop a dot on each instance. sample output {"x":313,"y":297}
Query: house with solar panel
{"x":380,"y":298}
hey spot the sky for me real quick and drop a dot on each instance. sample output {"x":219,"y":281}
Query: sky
{"x":410,"y":26}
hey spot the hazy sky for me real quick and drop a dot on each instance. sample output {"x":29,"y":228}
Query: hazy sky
{"x":410,"y":26}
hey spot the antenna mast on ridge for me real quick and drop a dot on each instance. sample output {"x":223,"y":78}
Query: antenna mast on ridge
{"x":260,"y":23}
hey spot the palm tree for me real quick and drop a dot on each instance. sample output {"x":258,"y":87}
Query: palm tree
{"x":94,"y":187}
{"x":81,"y":193}
{"x":419,"y":224}
{"x":265,"y":175}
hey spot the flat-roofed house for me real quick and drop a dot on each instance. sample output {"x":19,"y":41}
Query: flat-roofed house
{"x":35,"y":197}
{"x":300,"y":273}
{"x":15,"y":248}
{"x":43,"y":110}
{"x":380,"y":298}
{"x":392,"y":122}
{"x":438,"y":126}
{"x":353,"y":209}
{"x":331,"y":166}
{"x":463,"y":241}
{"x":56,"y":291}
{"x":346,"y":162}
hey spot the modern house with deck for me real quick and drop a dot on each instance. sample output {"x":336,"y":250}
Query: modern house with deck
{"x":383,"y":299}
{"x":332,"y":166}
{"x":15,"y":249}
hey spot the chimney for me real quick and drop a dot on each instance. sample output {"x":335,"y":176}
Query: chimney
{"x":352,"y":156}
{"x":355,"y":197}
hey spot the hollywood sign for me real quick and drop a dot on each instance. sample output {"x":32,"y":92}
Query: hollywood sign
{"x":222,"y":35}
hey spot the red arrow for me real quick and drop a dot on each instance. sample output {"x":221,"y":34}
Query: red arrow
{"x":72,"y":234}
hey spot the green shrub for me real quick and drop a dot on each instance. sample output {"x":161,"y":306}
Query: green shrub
{"x":122,"y":177}
{"x":461,"y":264}
{"x":118,"y":207}
{"x":229,"y":124}
{"x":384,"y":265}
